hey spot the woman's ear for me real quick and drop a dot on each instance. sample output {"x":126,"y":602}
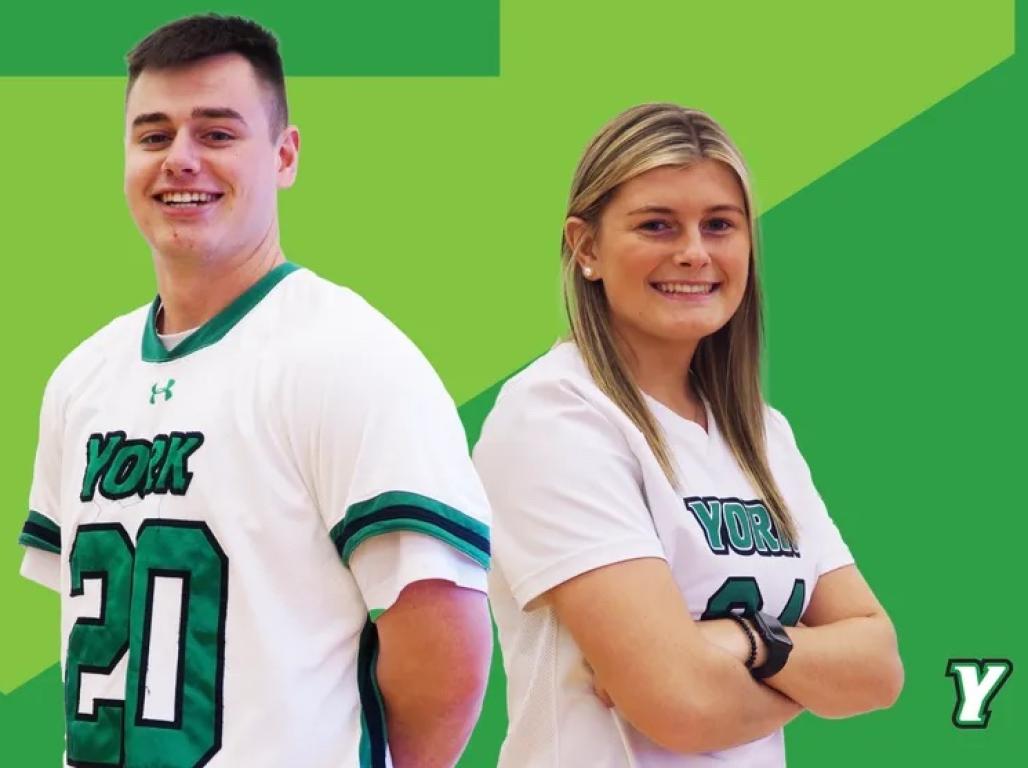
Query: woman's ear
{"x":581,"y":239}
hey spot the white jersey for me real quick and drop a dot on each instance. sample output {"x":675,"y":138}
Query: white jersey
{"x":574,"y":486}
{"x":212,"y":516}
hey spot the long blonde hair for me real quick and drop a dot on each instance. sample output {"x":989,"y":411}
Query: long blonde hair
{"x":726,"y":365}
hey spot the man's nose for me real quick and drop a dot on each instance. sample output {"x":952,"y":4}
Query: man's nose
{"x":183,"y":156}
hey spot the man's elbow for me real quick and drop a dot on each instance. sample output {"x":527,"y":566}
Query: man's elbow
{"x":441,"y":662}
{"x":465,"y":665}
{"x":459,"y":680}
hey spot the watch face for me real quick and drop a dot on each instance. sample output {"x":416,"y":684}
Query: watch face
{"x":778,"y":632}
{"x":779,"y":646}
{"x":773,"y":631}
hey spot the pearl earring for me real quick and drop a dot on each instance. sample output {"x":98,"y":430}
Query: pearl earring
{"x":587,"y":272}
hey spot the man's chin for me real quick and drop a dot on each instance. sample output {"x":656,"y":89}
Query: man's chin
{"x":180,"y":248}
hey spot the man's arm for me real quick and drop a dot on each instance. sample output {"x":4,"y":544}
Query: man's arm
{"x":435,"y":646}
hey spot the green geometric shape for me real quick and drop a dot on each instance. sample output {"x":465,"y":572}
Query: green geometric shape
{"x":895,"y":290}
{"x":401,"y":38}
{"x":32,"y":721}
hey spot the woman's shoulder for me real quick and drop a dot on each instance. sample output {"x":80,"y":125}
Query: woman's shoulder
{"x":553,"y":381}
{"x":782,"y":448}
{"x":553,"y":395}
{"x":777,"y":426}
{"x":559,"y":370}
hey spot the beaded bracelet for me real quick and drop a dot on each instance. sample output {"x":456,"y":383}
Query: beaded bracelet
{"x":749,"y":636}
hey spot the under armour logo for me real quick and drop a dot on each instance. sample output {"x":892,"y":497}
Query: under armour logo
{"x":165,"y":390}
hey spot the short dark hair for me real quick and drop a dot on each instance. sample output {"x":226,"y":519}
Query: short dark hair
{"x":197,"y":37}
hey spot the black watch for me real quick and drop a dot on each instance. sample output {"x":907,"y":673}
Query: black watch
{"x":777,"y":642}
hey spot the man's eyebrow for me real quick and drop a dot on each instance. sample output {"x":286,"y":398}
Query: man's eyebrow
{"x":218,"y":113}
{"x":210,"y":113}
{"x":150,"y":117}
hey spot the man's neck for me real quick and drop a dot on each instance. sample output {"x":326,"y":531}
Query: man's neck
{"x":193,"y":290}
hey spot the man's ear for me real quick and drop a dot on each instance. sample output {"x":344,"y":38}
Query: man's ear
{"x":288,"y":156}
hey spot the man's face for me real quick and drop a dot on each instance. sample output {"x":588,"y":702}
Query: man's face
{"x":202,"y":168}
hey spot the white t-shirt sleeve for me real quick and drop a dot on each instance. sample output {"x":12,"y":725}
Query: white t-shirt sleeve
{"x":41,"y":533}
{"x":390,"y":455}
{"x":42,"y":567}
{"x":565,"y":489}
{"x":821,"y":536}
{"x":384,"y":565}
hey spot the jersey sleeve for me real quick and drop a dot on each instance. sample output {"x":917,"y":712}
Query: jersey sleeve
{"x":384,"y":565}
{"x":41,"y":532}
{"x":391,"y":456}
{"x":820,"y":534}
{"x":565,"y":489}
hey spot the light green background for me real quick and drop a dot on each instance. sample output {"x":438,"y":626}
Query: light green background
{"x":885,"y":141}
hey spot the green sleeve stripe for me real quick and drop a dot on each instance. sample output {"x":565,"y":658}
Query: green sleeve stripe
{"x":26,"y":539}
{"x":403,"y":511}
{"x":373,"y":722}
{"x":40,"y":532}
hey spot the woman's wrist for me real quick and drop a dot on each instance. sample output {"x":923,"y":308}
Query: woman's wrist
{"x":727,"y":635}
{"x":751,"y":639}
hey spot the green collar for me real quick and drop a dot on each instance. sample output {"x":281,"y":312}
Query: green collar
{"x":211,"y":331}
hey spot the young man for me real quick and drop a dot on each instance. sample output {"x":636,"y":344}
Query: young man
{"x":254,"y":494}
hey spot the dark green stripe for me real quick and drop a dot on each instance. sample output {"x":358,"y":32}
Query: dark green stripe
{"x":41,"y":532}
{"x":404,"y":511}
{"x":214,"y":329}
{"x":373,"y":723}
{"x":400,"y":38}
{"x":26,"y":539}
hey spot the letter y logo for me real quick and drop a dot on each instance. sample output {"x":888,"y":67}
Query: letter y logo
{"x":977,"y":682}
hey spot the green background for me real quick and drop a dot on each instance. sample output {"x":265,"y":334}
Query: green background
{"x":886,"y":142}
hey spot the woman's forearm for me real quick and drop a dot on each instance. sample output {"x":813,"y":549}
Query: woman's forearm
{"x":716,"y":705}
{"x":843,"y":668}
{"x":738,"y":708}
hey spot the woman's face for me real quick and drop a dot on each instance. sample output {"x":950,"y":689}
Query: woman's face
{"x":672,"y":250}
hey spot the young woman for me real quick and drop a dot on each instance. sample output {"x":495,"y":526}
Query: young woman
{"x":668,"y":585}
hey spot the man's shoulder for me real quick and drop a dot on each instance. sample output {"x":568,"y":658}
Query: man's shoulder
{"x":323,"y":319}
{"x":121,"y":337}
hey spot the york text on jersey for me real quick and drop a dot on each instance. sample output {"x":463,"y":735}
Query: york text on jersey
{"x":119,"y":467}
{"x":742,"y":527}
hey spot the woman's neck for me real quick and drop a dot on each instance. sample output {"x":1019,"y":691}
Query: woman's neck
{"x":661,"y":370}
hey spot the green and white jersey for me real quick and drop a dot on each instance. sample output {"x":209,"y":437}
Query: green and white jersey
{"x":573,"y":487}
{"x":213,"y":517}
